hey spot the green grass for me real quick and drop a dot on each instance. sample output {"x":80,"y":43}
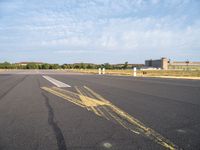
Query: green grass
{"x":176,"y":73}
{"x":177,"y":67}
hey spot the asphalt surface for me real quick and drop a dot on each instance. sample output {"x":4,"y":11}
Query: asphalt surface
{"x":32,"y":118}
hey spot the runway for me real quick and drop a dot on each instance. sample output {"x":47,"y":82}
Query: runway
{"x":59,"y":110}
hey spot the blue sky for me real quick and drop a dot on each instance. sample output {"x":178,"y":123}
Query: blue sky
{"x":99,"y":31}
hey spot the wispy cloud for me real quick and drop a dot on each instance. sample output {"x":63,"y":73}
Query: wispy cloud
{"x":151,"y":28}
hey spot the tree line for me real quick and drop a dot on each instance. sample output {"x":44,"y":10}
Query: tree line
{"x":7,"y":65}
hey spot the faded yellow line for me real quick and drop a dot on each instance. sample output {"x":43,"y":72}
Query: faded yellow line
{"x":120,"y":121}
{"x":94,"y":104}
{"x":89,"y":94}
{"x":86,"y":92}
{"x":65,"y":91}
{"x":63,"y":96}
{"x":102,"y":113}
{"x":97,"y":95}
{"x":87,"y":102}
{"x":145,"y":130}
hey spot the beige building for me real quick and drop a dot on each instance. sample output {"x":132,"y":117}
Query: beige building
{"x":159,"y":63}
{"x":184,"y":65}
{"x":165,"y":64}
{"x":26,"y":63}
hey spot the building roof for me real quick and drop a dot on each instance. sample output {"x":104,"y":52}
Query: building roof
{"x":30,"y":63}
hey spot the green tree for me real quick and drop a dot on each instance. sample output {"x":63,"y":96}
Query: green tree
{"x":54,"y":66}
{"x":107,"y":66}
{"x":76,"y":66}
{"x":89,"y":66}
{"x":5,"y":65}
{"x":125,"y":65}
{"x":45,"y":66}
{"x":82,"y":66}
{"x":32,"y":66}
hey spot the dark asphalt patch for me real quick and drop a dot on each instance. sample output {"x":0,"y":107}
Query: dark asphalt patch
{"x":57,"y":131}
{"x":12,"y":87}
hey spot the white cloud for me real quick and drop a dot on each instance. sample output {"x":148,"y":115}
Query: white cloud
{"x":146,"y":34}
{"x":101,"y":26}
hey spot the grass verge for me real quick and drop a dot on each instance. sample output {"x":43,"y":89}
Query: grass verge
{"x":146,"y":73}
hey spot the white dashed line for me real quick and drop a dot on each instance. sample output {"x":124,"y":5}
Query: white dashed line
{"x":56,"y":82}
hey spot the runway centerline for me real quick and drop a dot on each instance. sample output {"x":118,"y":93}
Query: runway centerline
{"x":56,"y":82}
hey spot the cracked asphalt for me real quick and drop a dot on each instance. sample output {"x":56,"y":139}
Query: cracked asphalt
{"x":33,"y":119}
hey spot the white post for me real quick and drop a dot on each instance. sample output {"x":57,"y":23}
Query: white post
{"x":103,"y":71}
{"x":134,"y":72}
{"x":99,"y":70}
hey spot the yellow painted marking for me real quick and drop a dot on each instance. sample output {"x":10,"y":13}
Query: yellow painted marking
{"x":89,"y":94}
{"x":63,"y":96}
{"x":96,"y":103}
{"x":120,"y":121}
{"x":84,"y":91}
{"x":102,"y":113}
{"x":97,"y":95}
{"x":145,"y":130}
{"x":89,"y":102}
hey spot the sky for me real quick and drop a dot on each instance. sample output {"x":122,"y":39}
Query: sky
{"x":99,"y":31}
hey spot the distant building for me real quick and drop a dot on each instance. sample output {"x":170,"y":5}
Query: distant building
{"x":159,"y":63}
{"x":184,"y":65}
{"x":129,"y":66}
{"x":26,"y":63}
{"x":165,"y":64}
